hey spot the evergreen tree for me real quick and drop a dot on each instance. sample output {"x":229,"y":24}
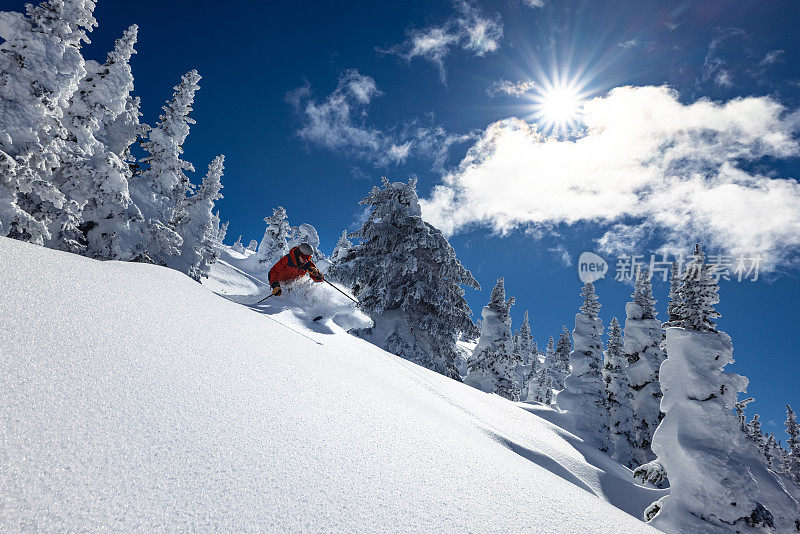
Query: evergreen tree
{"x":584,"y":392}
{"x":560,"y":366}
{"x":718,"y":480}
{"x":342,"y":248}
{"x":492,"y":365}
{"x":548,"y":391}
{"x":40,"y":66}
{"x":237,"y":246}
{"x":698,"y":295}
{"x":675,"y":298}
{"x":275,"y":243}
{"x":771,"y":452}
{"x":642,"y":346}
{"x":791,"y":466}
{"x":754,"y":431}
{"x":305,"y":233}
{"x":163,"y":184}
{"x":408,"y":279}
{"x":192,"y":220}
{"x":738,"y":409}
{"x":619,"y":398}
{"x":643,"y":294}
{"x":523,"y":341}
{"x":253,"y":245}
{"x":93,"y":176}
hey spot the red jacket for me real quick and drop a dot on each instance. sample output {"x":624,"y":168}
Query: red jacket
{"x":293,"y":266}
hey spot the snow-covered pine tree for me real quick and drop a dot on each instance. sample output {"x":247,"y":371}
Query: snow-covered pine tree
{"x":560,"y":367}
{"x":92,"y":175}
{"x":771,"y":452}
{"x":408,"y":280}
{"x":675,"y":299}
{"x":305,"y":233}
{"x":548,"y":390}
{"x":492,"y":365}
{"x":40,"y":66}
{"x":642,"y":341}
{"x":163,"y":184}
{"x":719,"y":482}
{"x":792,"y":461}
{"x":537,"y":386}
{"x":192,"y":220}
{"x":343,"y":246}
{"x":221,"y":230}
{"x":237,"y":246}
{"x":253,"y":245}
{"x":698,"y":294}
{"x":754,"y":431}
{"x":619,"y":398}
{"x":524,"y":342}
{"x":275,"y":243}
{"x":738,"y":409}
{"x":584,"y":391}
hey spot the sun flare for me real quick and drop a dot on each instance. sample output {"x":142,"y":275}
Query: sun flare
{"x":558,"y":106}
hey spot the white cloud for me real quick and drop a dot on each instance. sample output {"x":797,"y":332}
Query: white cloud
{"x":647,"y":166}
{"x":723,"y":78}
{"x":510,"y":88}
{"x":468,"y":29}
{"x":773,"y":56}
{"x":632,"y":43}
{"x":533,"y":3}
{"x":339,"y":123}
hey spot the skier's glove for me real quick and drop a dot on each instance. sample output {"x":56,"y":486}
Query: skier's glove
{"x":277,"y":290}
{"x":316,"y":275}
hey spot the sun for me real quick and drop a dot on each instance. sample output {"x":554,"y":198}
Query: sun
{"x":558,"y":107}
{"x":557,"y":104}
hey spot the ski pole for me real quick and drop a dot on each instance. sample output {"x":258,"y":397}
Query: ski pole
{"x":265,"y":298}
{"x":342,"y":292}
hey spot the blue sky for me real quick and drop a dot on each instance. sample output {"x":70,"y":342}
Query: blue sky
{"x":313,"y":102}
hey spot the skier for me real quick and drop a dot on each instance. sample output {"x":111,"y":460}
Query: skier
{"x":293,"y":266}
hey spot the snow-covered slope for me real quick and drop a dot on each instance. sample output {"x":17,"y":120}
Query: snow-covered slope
{"x":132,"y":398}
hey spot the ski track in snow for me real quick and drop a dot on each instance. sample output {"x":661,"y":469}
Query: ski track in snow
{"x":134,"y":399}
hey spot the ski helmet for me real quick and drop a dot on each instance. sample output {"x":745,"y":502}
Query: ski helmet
{"x":306,"y":249}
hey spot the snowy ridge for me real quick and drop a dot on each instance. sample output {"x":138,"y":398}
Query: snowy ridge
{"x":133,"y":398}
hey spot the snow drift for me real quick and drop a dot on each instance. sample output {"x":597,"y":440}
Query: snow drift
{"x":132,"y":398}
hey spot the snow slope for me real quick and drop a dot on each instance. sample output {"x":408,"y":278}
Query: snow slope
{"x":132,"y":398}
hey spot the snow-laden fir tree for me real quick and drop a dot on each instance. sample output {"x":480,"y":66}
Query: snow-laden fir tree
{"x":642,"y":340}
{"x":237,"y":246}
{"x":523,"y":341}
{"x":584,"y":391}
{"x":306,"y":233}
{"x":674,"y":302}
{"x":698,"y":295}
{"x":738,"y":409}
{"x":528,"y":355}
{"x":719,"y":482}
{"x":343,"y":246}
{"x":220,"y":230}
{"x":754,"y":431}
{"x":791,"y":465}
{"x":493,"y":362}
{"x":93,"y":176}
{"x":560,"y":366}
{"x":192,"y":220}
{"x":163,"y":184}
{"x":253,"y":245}
{"x":40,"y":67}
{"x":771,"y":452}
{"x":275,"y":243}
{"x":408,"y":280}
{"x":619,"y":398}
